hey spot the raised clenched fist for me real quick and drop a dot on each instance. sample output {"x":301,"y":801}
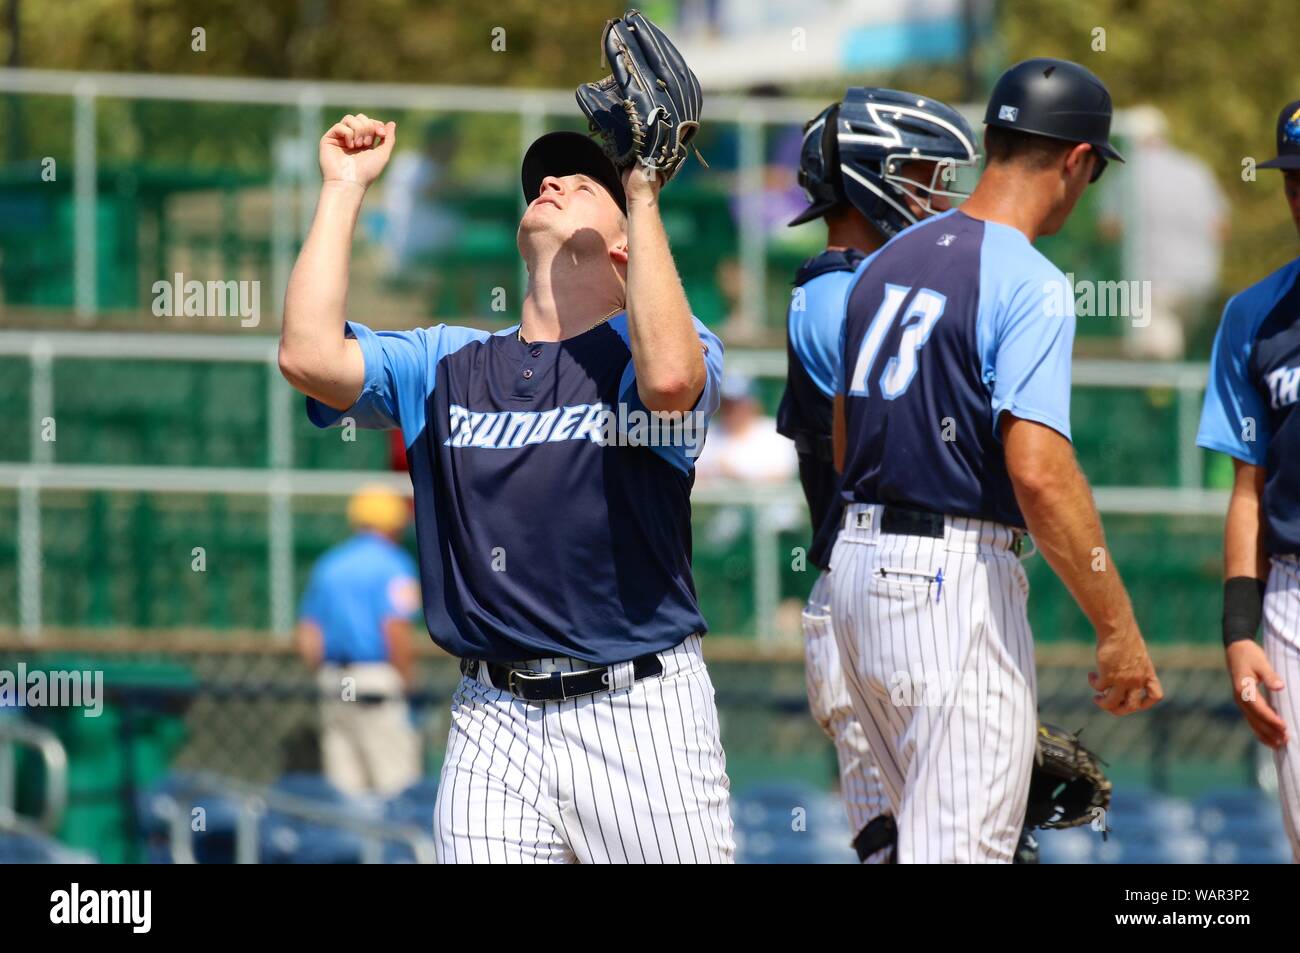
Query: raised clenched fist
{"x":356,"y":149}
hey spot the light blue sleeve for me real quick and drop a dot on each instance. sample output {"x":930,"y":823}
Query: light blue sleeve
{"x":842,"y":336}
{"x":399,"y":376}
{"x":815,"y":323}
{"x":1234,"y":418}
{"x":1024,"y":331}
{"x":686,"y":442}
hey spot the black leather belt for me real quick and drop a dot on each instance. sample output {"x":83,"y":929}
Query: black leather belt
{"x":557,"y":686}
{"x":901,"y":521}
{"x":904,"y":522}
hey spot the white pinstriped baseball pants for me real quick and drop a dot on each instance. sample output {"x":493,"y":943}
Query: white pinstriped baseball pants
{"x":1282,"y":646}
{"x":861,"y":789}
{"x":634,"y":775}
{"x":942,"y":677}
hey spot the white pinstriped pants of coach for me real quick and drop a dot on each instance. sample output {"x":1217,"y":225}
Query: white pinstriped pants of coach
{"x":633,"y":775}
{"x":939,"y":662}
{"x":1282,"y":646}
{"x":861,"y":789}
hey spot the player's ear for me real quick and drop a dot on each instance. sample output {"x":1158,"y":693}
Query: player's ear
{"x":618,"y":251}
{"x":1077,"y":159}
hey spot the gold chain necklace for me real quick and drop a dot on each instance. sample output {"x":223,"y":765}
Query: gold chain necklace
{"x":520,"y":332}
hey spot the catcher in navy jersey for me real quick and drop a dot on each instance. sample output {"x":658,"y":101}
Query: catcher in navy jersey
{"x":871,"y":165}
{"x":552,"y":495}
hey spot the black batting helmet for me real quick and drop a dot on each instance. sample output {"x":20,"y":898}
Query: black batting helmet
{"x":1057,"y":99}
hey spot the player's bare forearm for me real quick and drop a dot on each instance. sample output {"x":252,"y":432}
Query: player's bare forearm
{"x":1243,"y":537}
{"x":665,"y":346}
{"x":1062,"y":518}
{"x":839,"y":432}
{"x":309,"y":643}
{"x":1060,"y":513}
{"x":314,"y":356}
{"x":401,"y":648}
{"x":1244,"y":555}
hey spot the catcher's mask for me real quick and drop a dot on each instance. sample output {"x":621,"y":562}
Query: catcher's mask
{"x":569,"y":153}
{"x":876,"y":132}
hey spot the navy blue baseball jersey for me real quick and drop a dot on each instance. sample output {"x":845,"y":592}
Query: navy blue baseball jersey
{"x":1250,"y":403}
{"x":552,"y":518}
{"x":813,"y":325}
{"x":953,"y":322}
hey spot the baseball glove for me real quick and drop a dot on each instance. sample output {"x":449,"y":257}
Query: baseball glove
{"x":1068,"y":787}
{"x":648,"y":110}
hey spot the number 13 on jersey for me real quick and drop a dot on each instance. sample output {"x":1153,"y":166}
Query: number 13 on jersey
{"x":919,"y":320}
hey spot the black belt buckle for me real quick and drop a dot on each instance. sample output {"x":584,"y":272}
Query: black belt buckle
{"x":898,"y":521}
{"x":555,"y":686}
{"x":518,"y":682}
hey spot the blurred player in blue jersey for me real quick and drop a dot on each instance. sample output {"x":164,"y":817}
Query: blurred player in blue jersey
{"x":354,"y":631}
{"x":552,"y":465}
{"x":1251,"y":414}
{"x":952,"y":425}
{"x":871,"y":165}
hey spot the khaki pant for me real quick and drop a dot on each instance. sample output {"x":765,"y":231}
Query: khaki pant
{"x":367,"y":742}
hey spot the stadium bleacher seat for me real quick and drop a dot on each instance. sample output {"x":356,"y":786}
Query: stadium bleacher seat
{"x":214,"y":844}
{"x":1152,"y":847}
{"x":287,"y":839}
{"x":1217,"y":807}
{"x":414,"y":806}
{"x":18,"y":848}
{"x":1138,"y":808}
{"x":769,"y":829}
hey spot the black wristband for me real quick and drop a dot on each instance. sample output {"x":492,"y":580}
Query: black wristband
{"x":1243,"y":608}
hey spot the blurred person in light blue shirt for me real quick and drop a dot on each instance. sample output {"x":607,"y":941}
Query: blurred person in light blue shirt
{"x":354,"y":630}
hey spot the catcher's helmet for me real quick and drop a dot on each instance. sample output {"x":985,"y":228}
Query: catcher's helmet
{"x":854,"y":150}
{"x":1057,"y":99}
{"x":818,"y":162}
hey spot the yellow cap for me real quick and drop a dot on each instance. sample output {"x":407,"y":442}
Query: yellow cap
{"x":378,"y":508}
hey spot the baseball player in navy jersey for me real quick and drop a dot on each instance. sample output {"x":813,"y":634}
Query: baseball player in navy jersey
{"x":552,"y":505}
{"x":1251,"y":414}
{"x":870,"y":165}
{"x":952,"y":427}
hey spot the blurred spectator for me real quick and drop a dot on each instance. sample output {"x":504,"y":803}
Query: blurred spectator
{"x":743,"y":443}
{"x":416,"y":223}
{"x":355,"y":631}
{"x":1179,"y":217}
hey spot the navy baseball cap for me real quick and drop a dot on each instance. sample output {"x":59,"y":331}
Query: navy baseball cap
{"x":1288,"y":139}
{"x":569,"y":153}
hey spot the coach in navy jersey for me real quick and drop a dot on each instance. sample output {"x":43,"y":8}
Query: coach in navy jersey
{"x":871,"y":165}
{"x":552,"y":466}
{"x":952,"y":420}
{"x":1251,"y":413}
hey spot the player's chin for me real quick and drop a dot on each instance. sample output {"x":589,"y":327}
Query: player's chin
{"x":540,"y":217}
{"x":541,"y":209}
